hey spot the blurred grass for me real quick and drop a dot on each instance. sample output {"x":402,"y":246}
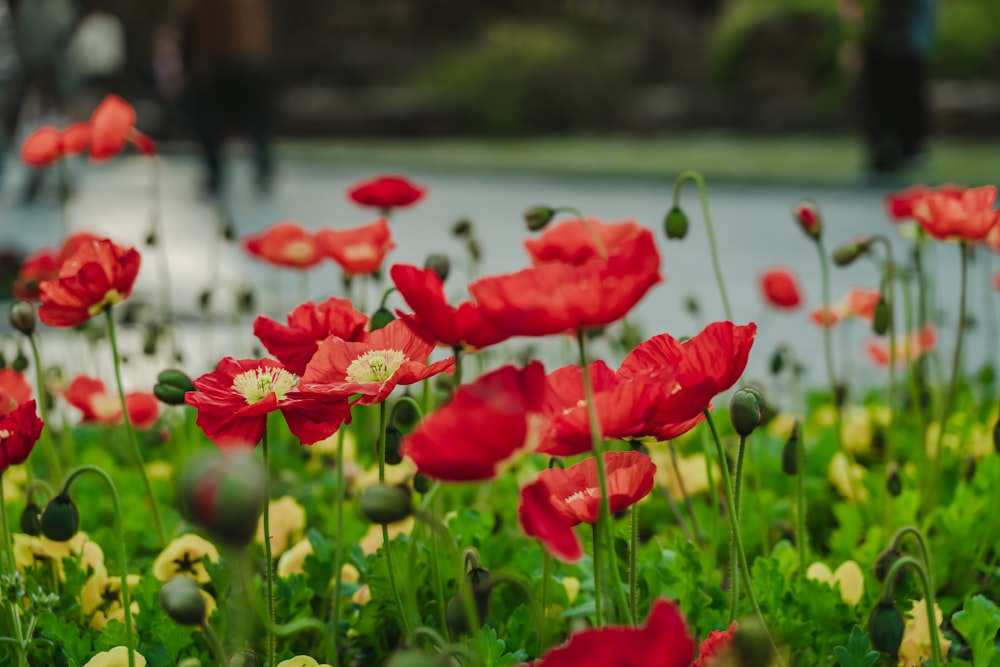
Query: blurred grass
{"x":785,"y":159}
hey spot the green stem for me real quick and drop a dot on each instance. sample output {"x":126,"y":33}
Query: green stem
{"x":268,"y":571}
{"x":688,"y":505}
{"x":404,"y":619}
{"x":925,"y":582}
{"x":48,"y":445}
{"x":925,"y":553}
{"x":734,"y":570}
{"x":698,"y":180}
{"x":543,"y":631}
{"x":338,"y":545}
{"x":598,"y":243}
{"x":13,"y":607}
{"x":458,"y":365}
{"x":598,"y":588}
{"x":800,"y":493}
{"x":133,"y":440}
{"x":633,"y":574}
{"x":214,"y":644}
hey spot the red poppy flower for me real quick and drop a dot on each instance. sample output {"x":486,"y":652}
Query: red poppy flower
{"x":966,"y":217}
{"x":690,"y":374}
{"x":42,"y":147}
{"x":557,"y":297}
{"x":308,"y":326}
{"x":714,"y":646}
{"x":433,"y":319}
{"x":14,"y":389}
{"x":483,"y":424}
{"x":386,"y":192}
{"x":38,"y":266}
{"x":91,"y":397}
{"x":233,"y":402}
{"x":286,"y":244}
{"x":825,"y":318}
{"x":921,"y":342}
{"x":560,"y":499}
{"x":76,"y":138}
{"x":781,"y":289}
{"x":389,"y":356}
{"x":572,"y":242}
{"x":860,"y":303}
{"x":112,"y":126}
{"x":20,"y":429}
{"x":899,"y":205}
{"x":663,"y":641}
{"x":98,"y":275}
{"x":358,"y":251}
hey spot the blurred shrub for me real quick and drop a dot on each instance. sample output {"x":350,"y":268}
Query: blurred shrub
{"x":967,"y":40}
{"x":521,"y":76}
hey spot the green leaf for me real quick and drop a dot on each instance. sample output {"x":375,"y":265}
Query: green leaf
{"x":979,"y":622}
{"x":858,"y":651}
{"x":71,"y":639}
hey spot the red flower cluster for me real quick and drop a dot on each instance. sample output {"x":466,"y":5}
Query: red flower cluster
{"x":20,"y":429}
{"x":899,"y":205}
{"x":99,"y":274}
{"x":308,"y":326}
{"x":781,"y":289}
{"x":91,"y":397}
{"x":48,"y":144}
{"x":386,"y":193}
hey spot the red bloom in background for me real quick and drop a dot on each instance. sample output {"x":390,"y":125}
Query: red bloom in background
{"x":825,"y":318}
{"x":233,"y":402}
{"x":98,"y":275}
{"x":286,"y":244}
{"x":20,"y":429}
{"x":781,"y":289}
{"x":433,"y":319}
{"x":388,"y":357}
{"x":560,"y":499}
{"x":308,"y":326}
{"x":42,"y":147}
{"x":968,"y":216}
{"x":572,"y":242}
{"x":386,"y":192}
{"x":358,"y":251}
{"x":921,"y":342}
{"x":860,"y":303}
{"x":14,"y":389}
{"x":690,"y":374}
{"x":44,"y":264}
{"x":91,"y":397}
{"x":899,"y":205}
{"x":76,"y":138}
{"x":112,"y":126}
{"x":557,"y":297}
{"x":483,"y":425}
{"x":714,"y":646}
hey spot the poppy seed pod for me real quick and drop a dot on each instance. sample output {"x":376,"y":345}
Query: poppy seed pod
{"x":790,"y":452}
{"x":885,"y":626}
{"x":385,"y":503}
{"x":480,"y":584}
{"x":538,"y":217}
{"x":439,"y":264}
{"x":393,"y":440}
{"x":60,"y":520}
{"x":746,"y":410}
{"x":380,"y":318}
{"x":31,"y":519}
{"x":893,"y":482}
{"x":23,"y":317}
{"x":224,"y":492}
{"x":883,"y":313}
{"x":181,"y":598}
{"x":676,"y":225}
{"x":20,"y":362}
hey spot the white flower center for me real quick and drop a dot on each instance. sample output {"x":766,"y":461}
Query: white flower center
{"x":375,"y":366}
{"x":299,"y":251}
{"x":356,"y":253}
{"x":4,"y":434}
{"x":591,"y":491}
{"x":258,"y":384}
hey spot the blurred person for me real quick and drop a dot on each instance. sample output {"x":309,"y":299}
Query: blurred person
{"x":227,"y":53}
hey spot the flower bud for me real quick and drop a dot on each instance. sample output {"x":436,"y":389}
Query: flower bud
{"x":204,"y":300}
{"x":790,"y":452}
{"x":885,"y":627}
{"x":23,"y":317}
{"x":778,"y":361}
{"x":439,"y":264}
{"x":380,"y":318}
{"x":746,"y":410}
{"x":883,"y":313}
{"x":456,"y":614}
{"x":422,"y":483}
{"x":181,"y":598}
{"x":538,"y":217}
{"x":224,"y":492}
{"x":151,"y":238}
{"x":893,"y":482}
{"x":884,"y":562}
{"x":20,"y":362}
{"x":404,"y":414}
{"x":385,"y":503}
{"x":806,"y":213}
{"x":848,"y":253}
{"x":676,"y":223}
{"x":168,"y":394}
{"x":393,"y":440}
{"x":176,"y":378}
{"x":31,"y":519}
{"x":60,"y":520}
{"x":461,"y":228}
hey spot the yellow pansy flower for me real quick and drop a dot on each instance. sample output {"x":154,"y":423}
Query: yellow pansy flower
{"x":301,"y":661}
{"x":846,"y":478}
{"x":916,"y":646}
{"x":116,"y":657}
{"x":287,"y":521}
{"x":691,"y":469}
{"x":849,"y":576}
{"x":101,"y":598}
{"x":185,"y":555}
{"x":31,"y":551}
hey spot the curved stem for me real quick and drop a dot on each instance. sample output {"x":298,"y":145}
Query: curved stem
{"x":48,"y":444}
{"x":925,"y":582}
{"x":393,"y":584}
{"x":133,"y":440}
{"x":925,"y":553}
{"x":268,"y":571}
{"x":214,"y":644}
{"x":598,"y":243}
{"x":410,"y":401}
{"x":698,"y":180}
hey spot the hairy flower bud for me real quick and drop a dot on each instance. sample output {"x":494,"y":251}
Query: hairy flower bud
{"x":224,"y":492}
{"x":385,"y":503}
{"x":480,"y":584}
{"x":537,"y":217}
{"x":60,"y":520}
{"x":675,"y":225}
{"x":849,"y":252}
{"x":439,"y":264}
{"x":746,"y":410}
{"x":806,"y":213}
{"x":181,"y":598}
{"x":885,"y":626}
{"x":393,"y":440}
{"x":23,"y":317}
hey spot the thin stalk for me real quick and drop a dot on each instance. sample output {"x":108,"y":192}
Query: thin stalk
{"x":162,"y":260}
{"x":214,"y":644}
{"x":698,"y":180}
{"x":338,"y":545}
{"x":404,"y":619}
{"x":598,"y":588}
{"x":688,"y":505}
{"x":48,"y":444}
{"x":633,"y":574}
{"x":800,"y":493}
{"x":925,"y":582}
{"x":268,"y":573}
{"x":598,"y":243}
{"x":7,"y":557}
{"x":133,"y":440}
{"x":543,"y":631}
{"x":458,"y":365}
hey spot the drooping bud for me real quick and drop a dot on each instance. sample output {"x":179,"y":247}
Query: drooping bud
{"x":181,"y":598}
{"x":403,"y":414}
{"x":480,"y":585}
{"x":385,"y":503}
{"x":537,"y":217}
{"x":461,"y":228}
{"x":422,"y":483}
{"x":380,"y":318}
{"x":790,"y":452}
{"x":884,"y":562}
{"x":31,"y":519}
{"x":171,"y":385}
{"x":885,"y":627}
{"x":806,"y":213}
{"x":746,"y":410}
{"x":20,"y":362}
{"x":60,"y":520}
{"x":893,"y":482}
{"x":676,"y":225}
{"x":393,"y":441}
{"x":224,"y":492}
{"x":848,"y":253}
{"x":883,"y":314}
{"x":439,"y":264}
{"x":23,"y":317}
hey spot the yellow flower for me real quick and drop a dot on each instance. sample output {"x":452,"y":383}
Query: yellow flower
{"x":101,"y":598}
{"x":691,"y":469}
{"x":323,"y":454}
{"x":372,"y":541}
{"x":301,"y":661}
{"x":159,"y":470}
{"x":14,"y":480}
{"x":362,"y":596}
{"x":291,"y":562}
{"x":31,"y":551}
{"x":184,"y":556}
{"x":916,"y":646}
{"x":847,"y":478}
{"x":857,"y":431}
{"x":287,"y":520}
{"x":572,"y":586}
{"x":116,"y":657}
{"x":849,"y":577}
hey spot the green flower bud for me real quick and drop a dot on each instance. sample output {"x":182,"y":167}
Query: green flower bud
{"x":884,"y":563}
{"x":151,"y":238}
{"x":393,"y":441}
{"x":20,"y":362}
{"x":23,"y":317}
{"x":439,"y":264}
{"x":456,"y":614}
{"x":790,"y":452}
{"x":381,"y":318}
{"x":885,"y":627}
{"x":181,"y":598}
{"x":461,"y":228}
{"x":60,"y":520}
{"x":176,"y":378}
{"x":883,"y":313}
{"x":750,"y":644}
{"x":848,"y":253}
{"x":404,"y":414}
{"x":385,"y":503}
{"x":893,"y":482}
{"x":31,"y":519}
{"x":224,"y":492}
{"x":422,"y":483}
{"x":746,"y":410}
{"x":169,"y":394}
{"x":538,"y":217}
{"x":676,"y":223}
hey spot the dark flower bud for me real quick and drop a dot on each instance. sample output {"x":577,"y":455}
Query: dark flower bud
{"x":778,"y":361}
{"x":790,"y":452}
{"x":204,"y":300}
{"x":439,"y":264}
{"x":168,"y":394}
{"x":393,"y":440}
{"x":224,"y":492}
{"x":23,"y":317}
{"x":538,"y":217}
{"x":60,"y":520}
{"x":692,"y":307}
{"x":228,"y":229}
{"x":385,"y":503}
{"x":746,"y":410}
{"x":806,"y":213}
{"x":31,"y":519}
{"x":893,"y":482}
{"x":20,"y":362}
{"x":480,"y":584}
{"x":151,"y":238}
{"x":175,"y":378}
{"x":461,"y":228}
{"x":883,"y":313}
{"x":676,"y":223}
{"x":381,"y":318}
{"x":848,"y":253}
{"x":885,"y":627}
{"x":475,"y":250}
{"x":245,"y":300}
{"x":404,"y":414}
{"x":884,"y":562}
{"x":181,"y":598}
{"x":996,"y":437}
{"x":422,"y":483}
